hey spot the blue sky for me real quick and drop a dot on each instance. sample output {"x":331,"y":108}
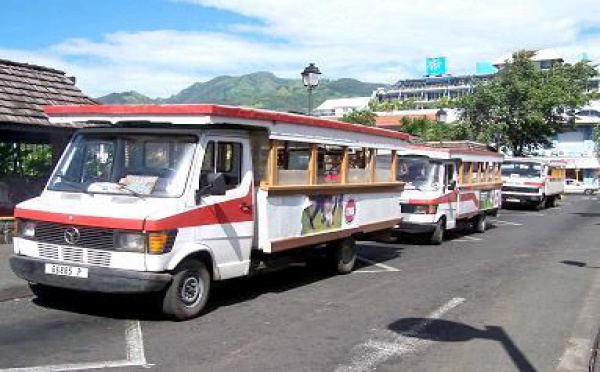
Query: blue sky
{"x":37,"y":23}
{"x":159,"y":47}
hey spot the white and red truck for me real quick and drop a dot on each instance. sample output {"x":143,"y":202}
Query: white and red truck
{"x":444,"y":185}
{"x":169,"y":198}
{"x":534,"y":182}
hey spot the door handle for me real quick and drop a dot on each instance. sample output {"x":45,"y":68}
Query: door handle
{"x":245,"y":207}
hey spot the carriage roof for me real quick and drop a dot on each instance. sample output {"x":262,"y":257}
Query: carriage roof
{"x":283,"y":126}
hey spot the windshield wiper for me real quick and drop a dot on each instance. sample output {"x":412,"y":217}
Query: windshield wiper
{"x":71,"y":182}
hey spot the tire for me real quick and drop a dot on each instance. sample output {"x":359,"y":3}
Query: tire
{"x":188,"y":292}
{"x":437,"y":237}
{"x":540,"y":205}
{"x":344,"y":255}
{"x":480,"y":223}
{"x":588,"y":191}
{"x":553,"y":202}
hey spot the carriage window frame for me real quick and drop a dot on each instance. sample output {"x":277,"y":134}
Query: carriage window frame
{"x":318,"y":154}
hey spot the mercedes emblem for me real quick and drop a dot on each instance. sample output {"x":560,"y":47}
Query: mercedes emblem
{"x":72,"y":235}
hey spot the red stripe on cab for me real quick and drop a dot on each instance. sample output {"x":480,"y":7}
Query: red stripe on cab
{"x":231,"y":211}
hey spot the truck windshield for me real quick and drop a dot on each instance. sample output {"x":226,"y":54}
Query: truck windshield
{"x":418,"y":173}
{"x":130,"y":164}
{"x":526,"y":170}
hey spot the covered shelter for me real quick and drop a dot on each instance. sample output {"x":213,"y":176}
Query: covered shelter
{"x":29,"y":143}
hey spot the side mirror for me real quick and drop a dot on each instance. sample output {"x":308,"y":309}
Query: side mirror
{"x":214,"y":185}
{"x":452,"y":185}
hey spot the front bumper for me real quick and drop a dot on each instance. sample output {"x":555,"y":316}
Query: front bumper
{"x":100,"y":279}
{"x":521,"y":199}
{"x":416,"y":227}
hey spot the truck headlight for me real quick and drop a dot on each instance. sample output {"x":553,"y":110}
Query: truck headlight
{"x":130,"y":242}
{"x":26,"y":229}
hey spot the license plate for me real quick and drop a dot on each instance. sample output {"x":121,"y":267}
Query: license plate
{"x":66,"y":270}
{"x":513,"y":200}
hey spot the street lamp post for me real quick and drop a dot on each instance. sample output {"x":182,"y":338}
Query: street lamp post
{"x":310,"y":79}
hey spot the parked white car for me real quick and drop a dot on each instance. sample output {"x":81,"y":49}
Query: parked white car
{"x":574,"y":187}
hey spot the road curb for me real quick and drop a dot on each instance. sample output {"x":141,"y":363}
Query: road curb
{"x":580,"y":346}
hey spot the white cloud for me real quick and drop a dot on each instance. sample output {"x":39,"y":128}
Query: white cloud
{"x":377,"y":40}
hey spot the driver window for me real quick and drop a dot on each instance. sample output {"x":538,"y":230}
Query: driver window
{"x":225,"y":158}
{"x":449,"y":176}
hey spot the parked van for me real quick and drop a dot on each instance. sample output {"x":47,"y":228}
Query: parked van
{"x":454,"y":182}
{"x":573,"y":186}
{"x":167,"y":199}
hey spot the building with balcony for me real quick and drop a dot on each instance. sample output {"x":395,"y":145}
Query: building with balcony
{"x":336,"y":108}
{"x":578,"y":148}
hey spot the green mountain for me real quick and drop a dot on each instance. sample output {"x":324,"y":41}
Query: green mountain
{"x":259,"y":90}
{"x":125,"y":98}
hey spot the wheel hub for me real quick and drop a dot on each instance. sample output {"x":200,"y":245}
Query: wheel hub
{"x":191,"y":291}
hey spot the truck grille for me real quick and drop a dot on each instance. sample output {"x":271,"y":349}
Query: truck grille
{"x":90,"y":237}
{"x":74,"y":255}
{"x":525,"y":190}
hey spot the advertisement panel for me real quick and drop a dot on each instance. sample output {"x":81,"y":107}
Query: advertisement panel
{"x":435,"y":66}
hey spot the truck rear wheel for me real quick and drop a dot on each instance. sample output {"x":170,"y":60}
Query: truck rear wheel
{"x":480,"y":223}
{"x":188,"y":292}
{"x":344,"y":255}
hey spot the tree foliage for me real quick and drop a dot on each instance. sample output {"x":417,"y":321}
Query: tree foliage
{"x":25,"y":159}
{"x":364,"y":117}
{"x":523,"y":105}
{"x":430,"y":130}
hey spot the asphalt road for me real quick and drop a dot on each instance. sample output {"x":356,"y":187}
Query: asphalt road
{"x":507,"y":300}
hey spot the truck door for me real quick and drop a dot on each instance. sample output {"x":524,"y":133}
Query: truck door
{"x":450,"y":189}
{"x":229,"y":227}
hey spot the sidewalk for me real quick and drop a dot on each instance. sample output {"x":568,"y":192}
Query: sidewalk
{"x":11,"y":286}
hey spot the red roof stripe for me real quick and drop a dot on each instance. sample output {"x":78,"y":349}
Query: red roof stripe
{"x":219,"y":110}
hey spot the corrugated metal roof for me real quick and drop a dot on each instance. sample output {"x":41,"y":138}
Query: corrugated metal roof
{"x":25,"y":89}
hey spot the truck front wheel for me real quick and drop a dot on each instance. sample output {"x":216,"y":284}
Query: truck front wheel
{"x":437,"y":237}
{"x":188,"y":293}
{"x":541,"y":204}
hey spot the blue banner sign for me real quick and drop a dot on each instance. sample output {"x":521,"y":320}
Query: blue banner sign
{"x":435,"y":66}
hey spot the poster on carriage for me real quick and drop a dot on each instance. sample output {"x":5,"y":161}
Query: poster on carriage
{"x":322,"y":213}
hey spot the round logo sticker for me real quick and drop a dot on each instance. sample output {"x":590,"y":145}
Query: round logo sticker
{"x":350,"y":210}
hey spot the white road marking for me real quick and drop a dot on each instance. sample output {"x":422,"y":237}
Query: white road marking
{"x":383,"y":266}
{"x":522,"y":214}
{"x":502,"y":222}
{"x":135,"y":343}
{"x":387,"y":344}
{"x":468,"y":237}
{"x":135,"y":355}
